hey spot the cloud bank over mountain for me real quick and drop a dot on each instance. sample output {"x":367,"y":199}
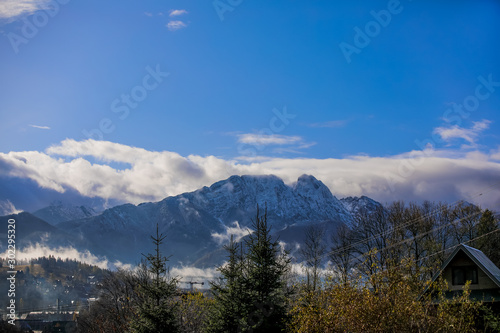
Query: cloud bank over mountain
{"x":121,"y":173}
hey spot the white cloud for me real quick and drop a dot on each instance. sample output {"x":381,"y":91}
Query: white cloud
{"x":177,"y":12}
{"x":495,"y":155}
{"x":265,"y":139}
{"x":39,"y":250}
{"x":235,"y":231}
{"x":7,"y":208}
{"x":468,"y":134}
{"x":40,"y":127}
{"x":176,"y":25}
{"x":12,"y":9}
{"x":287,"y":143}
{"x":152,"y":176}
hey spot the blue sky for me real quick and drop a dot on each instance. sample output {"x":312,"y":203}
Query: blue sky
{"x":252,"y":87}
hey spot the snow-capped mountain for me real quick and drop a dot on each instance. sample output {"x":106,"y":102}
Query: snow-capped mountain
{"x":196,"y":223}
{"x":59,"y":212}
{"x":355,"y":205}
{"x":236,"y":199}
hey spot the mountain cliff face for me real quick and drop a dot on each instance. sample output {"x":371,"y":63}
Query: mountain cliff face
{"x":236,"y":199}
{"x":356,"y":205}
{"x":195,"y":222}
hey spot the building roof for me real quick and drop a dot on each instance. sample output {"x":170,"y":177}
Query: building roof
{"x":479,"y":258}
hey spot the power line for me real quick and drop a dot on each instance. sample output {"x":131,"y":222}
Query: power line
{"x":428,"y":256}
{"x":438,"y":252}
{"x":407,"y":224}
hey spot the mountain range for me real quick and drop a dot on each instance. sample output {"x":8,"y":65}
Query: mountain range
{"x":196,"y":224}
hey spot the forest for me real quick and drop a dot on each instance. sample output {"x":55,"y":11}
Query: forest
{"x":372,"y":276}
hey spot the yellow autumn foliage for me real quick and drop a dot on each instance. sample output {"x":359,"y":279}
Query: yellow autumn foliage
{"x":389,"y":301}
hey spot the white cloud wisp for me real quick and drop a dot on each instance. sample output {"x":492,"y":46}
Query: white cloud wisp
{"x":13,"y":9}
{"x":468,"y":134}
{"x":176,"y":25}
{"x":177,"y":12}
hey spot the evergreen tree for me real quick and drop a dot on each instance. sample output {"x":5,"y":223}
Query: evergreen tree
{"x":228,"y":292}
{"x":157,"y":310}
{"x":267,"y":266}
{"x":250,"y":294}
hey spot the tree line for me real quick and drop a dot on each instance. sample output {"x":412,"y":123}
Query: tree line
{"x":368,"y":276}
{"x":422,"y":234}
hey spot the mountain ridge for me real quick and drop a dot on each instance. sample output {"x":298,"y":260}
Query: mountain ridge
{"x":191,"y":220}
{"x":58,"y":212}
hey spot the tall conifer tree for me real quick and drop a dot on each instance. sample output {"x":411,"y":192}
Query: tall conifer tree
{"x":250,"y":294}
{"x":157,"y":310}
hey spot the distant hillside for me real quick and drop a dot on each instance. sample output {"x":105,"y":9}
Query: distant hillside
{"x":31,"y":230}
{"x":44,"y":281}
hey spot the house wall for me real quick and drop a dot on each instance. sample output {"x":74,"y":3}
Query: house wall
{"x":461,"y":259}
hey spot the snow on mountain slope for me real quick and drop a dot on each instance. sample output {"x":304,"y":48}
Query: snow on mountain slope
{"x":236,"y":199}
{"x":192,"y":220}
{"x":59,"y":212}
{"x":354,"y":205}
